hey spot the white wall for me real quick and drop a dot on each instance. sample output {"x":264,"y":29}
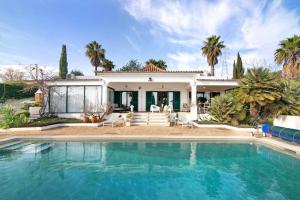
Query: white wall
{"x":288,"y":121}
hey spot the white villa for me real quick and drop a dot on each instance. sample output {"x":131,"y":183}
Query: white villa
{"x":180,"y":91}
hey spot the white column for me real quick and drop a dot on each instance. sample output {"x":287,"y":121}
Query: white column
{"x":194,"y":114}
{"x":104,"y":94}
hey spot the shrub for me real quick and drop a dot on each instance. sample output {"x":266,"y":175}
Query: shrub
{"x":227,"y":109}
{"x":11,"y":119}
{"x":45,"y":121}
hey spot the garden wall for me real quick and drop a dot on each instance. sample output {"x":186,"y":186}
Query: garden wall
{"x":288,"y":121}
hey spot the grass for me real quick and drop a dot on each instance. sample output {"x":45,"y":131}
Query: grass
{"x":215,"y":122}
{"x":45,"y":121}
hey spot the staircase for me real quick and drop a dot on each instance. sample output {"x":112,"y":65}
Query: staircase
{"x":150,"y":119}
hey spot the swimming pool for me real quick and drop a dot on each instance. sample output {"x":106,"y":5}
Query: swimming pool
{"x":146,"y":170}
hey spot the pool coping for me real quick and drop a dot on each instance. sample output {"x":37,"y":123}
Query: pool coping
{"x":281,"y":145}
{"x":53,"y":126}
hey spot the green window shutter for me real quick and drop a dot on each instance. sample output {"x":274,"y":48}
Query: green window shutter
{"x":148,"y":100}
{"x":135,"y":100}
{"x":117,"y":96}
{"x":176,"y":101}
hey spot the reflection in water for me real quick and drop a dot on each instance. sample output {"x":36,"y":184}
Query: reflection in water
{"x":145,"y":170}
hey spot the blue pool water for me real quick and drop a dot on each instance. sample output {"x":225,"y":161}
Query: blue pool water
{"x":146,"y":170}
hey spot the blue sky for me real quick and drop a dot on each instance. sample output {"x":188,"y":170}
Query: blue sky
{"x":33,"y":31}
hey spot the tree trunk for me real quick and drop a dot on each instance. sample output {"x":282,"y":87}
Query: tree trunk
{"x":212,"y":73}
{"x":95,"y":70}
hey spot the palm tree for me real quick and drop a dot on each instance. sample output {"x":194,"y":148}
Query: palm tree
{"x":259,"y":88}
{"x":108,"y":65}
{"x":289,"y":103}
{"x":289,"y":55}
{"x":158,"y":63}
{"x":96,"y":54}
{"x":212,"y":49}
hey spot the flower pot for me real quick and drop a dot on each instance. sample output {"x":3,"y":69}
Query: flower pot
{"x":94,"y":119}
{"x":85,"y":120}
{"x":128,"y":124}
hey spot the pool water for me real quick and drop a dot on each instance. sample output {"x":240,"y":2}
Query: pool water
{"x":146,"y":170}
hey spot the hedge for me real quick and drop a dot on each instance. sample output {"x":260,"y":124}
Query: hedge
{"x":45,"y":121}
{"x":17,"y":90}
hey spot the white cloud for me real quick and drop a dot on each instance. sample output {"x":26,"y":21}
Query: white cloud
{"x":253,"y":27}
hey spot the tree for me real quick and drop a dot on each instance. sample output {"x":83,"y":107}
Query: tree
{"x":108,"y":65}
{"x":96,"y":54}
{"x":234,"y":73}
{"x":11,"y":74}
{"x":42,"y":77}
{"x":212,"y":49}
{"x":77,"y":72}
{"x":131,"y":66}
{"x":238,"y":69}
{"x":259,"y":88}
{"x":158,"y":63}
{"x":63,"y":63}
{"x":289,"y":55}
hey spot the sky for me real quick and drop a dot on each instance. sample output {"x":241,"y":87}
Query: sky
{"x":33,"y":31}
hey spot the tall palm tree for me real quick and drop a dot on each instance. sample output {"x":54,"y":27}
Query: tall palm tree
{"x":212,"y":49}
{"x":289,"y":55}
{"x":96,"y":54}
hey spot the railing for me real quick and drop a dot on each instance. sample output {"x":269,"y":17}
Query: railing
{"x":203,"y":108}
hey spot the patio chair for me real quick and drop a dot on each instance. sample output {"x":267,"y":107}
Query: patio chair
{"x":154,"y":108}
{"x":185,"y":107}
{"x":114,"y":120}
{"x":184,"y":120}
{"x":168,"y":108}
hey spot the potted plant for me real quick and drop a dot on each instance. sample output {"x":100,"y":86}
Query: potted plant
{"x":85,"y":118}
{"x":94,"y":118}
{"x":129,"y":118}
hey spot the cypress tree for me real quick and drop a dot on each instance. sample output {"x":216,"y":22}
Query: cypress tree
{"x":63,"y":63}
{"x":234,"y":76}
{"x":239,"y":67}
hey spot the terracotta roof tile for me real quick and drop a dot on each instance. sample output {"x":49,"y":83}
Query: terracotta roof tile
{"x":152,"y":68}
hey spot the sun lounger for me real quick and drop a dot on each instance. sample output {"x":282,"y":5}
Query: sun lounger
{"x":114,"y":120}
{"x":184,"y":120}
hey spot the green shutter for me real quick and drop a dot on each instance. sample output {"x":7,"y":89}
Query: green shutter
{"x":148,"y":100}
{"x":176,"y":101}
{"x":135,"y":100}
{"x":117,"y":99}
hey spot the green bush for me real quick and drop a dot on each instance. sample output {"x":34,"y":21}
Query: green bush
{"x":17,"y":90}
{"x":11,"y":119}
{"x":227,"y":109}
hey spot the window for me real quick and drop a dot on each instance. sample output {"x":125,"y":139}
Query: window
{"x":75,"y":99}
{"x":58,"y":99}
{"x":93,"y":98}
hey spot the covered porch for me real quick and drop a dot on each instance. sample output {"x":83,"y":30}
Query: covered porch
{"x":190,"y":97}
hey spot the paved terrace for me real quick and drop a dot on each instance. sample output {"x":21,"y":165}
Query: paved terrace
{"x":132,"y":131}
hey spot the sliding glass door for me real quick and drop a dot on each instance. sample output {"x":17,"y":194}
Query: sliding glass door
{"x":162,"y":98}
{"x":124,"y":99}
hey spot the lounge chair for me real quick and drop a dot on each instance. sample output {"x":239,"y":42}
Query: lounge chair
{"x":184,"y":120}
{"x":114,"y":120}
{"x":154,"y":108}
